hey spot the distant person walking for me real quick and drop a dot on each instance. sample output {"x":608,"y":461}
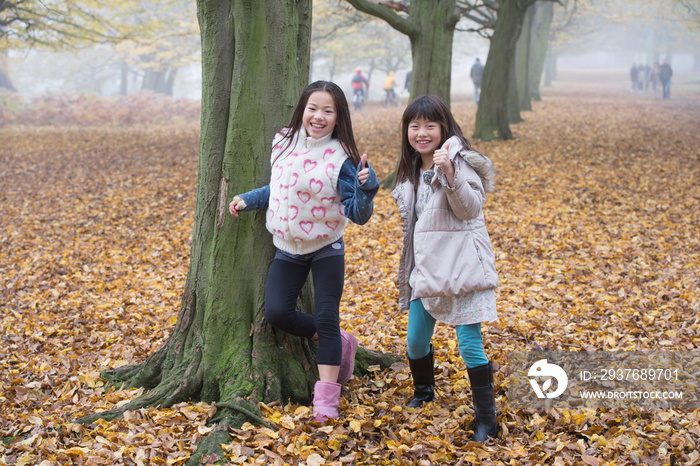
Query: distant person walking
{"x":477,"y":72}
{"x":407,"y":84}
{"x":634,"y":77}
{"x":655,"y":80}
{"x":665,"y":73}
{"x":641,"y":78}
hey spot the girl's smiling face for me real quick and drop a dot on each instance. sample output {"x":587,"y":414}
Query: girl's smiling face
{"x":424,"y":136}
{"x":320,"y":114}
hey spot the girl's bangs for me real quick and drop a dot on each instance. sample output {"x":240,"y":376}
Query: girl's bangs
{"x":424,"y":109}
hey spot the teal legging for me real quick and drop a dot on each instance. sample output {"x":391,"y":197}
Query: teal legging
{"x":420,"y":330}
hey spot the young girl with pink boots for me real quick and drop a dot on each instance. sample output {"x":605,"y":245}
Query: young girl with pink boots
{"x":318,"y":181}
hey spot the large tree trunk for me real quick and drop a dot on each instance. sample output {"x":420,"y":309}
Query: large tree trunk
{"x":431,"y":47}
{"x":492,"y":114}
{"x":255,"y":59}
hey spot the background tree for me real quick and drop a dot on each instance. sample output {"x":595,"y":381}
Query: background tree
{"x":159,"y":39}
{"x":430,"y":26}
{"x":639,"y":31}
{"x":5,"y":82}
{"x":690,"y":11}
{"x":153,"y":38}
{"x":532,"y":51}
{"x":493,"y":113}
{"x":57,"y":26}
{"x":334,"y":37}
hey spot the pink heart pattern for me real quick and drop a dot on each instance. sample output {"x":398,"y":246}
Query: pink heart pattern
{"x":306,"y":227}
{"x":309,"y":165}
{"x":315,"y":185}
{"x":304,"y":197}
{"x":293,"y":212}
{"x":318,"y":212}
{"x":328,"y":154}
{"x":293,"y":180}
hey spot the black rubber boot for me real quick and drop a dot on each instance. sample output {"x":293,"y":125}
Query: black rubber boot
{"x":423,"y":379}
{"x":485,"y":421}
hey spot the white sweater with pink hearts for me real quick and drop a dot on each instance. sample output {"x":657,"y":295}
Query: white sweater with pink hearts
{"x":305,"y":213}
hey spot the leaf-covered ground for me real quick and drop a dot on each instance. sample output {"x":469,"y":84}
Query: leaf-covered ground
{"x":595,"y":227}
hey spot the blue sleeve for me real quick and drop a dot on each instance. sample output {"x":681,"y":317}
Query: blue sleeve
{"x":256,"y":199}
{"x":356,"y":197}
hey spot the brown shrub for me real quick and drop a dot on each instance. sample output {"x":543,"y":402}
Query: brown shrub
{"x":143,"y":107}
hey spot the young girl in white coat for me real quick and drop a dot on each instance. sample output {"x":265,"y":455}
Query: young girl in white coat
{"x":447,"y":271}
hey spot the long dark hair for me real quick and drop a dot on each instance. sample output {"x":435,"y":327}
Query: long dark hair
{"x":431,"y":108}
{"x":343,"y":125}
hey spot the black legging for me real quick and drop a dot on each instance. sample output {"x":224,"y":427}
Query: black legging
{"x":284,"y":282}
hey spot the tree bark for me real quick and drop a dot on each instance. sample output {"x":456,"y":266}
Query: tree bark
{"x":255,"y":63}
{"x":521,"y":99}
{"x":430,"y":26}
{"x":539,"y":39}
{"x":124,"y":79}
{"x":5,"y":81}
{"x":513,"y":96}
{"x":550,"y":68}
{"x":492,"y":115}
{"x":161,"y":81}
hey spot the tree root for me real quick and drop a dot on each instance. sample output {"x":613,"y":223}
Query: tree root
{"x":209,"y":449}
{"x":249,"y":414}
{"x":147,"y":374}
{"x":176,"y":389}
{"x":365,"y":358}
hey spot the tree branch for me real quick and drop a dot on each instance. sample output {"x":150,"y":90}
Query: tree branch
{"x":398,"y":6}
{"x":400,"y":23}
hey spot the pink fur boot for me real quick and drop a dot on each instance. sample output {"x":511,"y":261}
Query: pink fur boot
{"x":326,"y":400}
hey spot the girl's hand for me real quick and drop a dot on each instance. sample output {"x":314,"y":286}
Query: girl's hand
{"x":441,"y":158}
{"x":364,"y":170}
{"x":236,"y":204}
